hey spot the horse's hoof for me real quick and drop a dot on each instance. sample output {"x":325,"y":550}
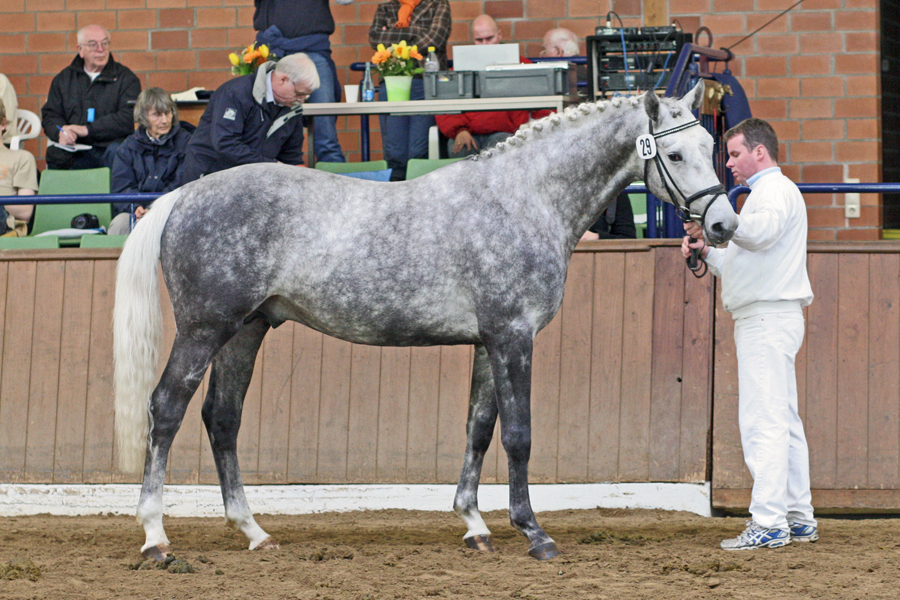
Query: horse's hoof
{"x":482,"y":543}
{"x":268,"y":544}
{"x":544,"y":551}
{"x":156,"y":553}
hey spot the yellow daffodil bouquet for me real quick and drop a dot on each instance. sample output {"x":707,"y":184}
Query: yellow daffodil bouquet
{"x":250,"y":58}
{"x":399,"y":59}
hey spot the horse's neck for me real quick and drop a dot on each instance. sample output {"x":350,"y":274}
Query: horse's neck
{"x":584,"y":165}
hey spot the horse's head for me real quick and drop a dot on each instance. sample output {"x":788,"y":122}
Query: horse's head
{"x":678,"y":166}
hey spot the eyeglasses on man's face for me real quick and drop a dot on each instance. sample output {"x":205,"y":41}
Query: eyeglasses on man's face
{"x":94,"y":46}
{"x":299,"y":96}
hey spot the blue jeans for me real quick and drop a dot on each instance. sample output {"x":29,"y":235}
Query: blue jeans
{"x":404,"y":138}
{"x":327,"y":147}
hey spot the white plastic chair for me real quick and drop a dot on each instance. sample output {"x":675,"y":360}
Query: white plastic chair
{"x":434,"y":143}
{"x":29,"y":125}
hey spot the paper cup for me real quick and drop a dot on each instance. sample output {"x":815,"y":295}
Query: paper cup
{"x":352,"y":93}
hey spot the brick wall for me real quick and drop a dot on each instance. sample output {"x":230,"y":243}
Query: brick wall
{"x":813,"y":73}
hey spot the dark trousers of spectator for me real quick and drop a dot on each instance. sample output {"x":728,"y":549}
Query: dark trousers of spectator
{"x":403,"y":138}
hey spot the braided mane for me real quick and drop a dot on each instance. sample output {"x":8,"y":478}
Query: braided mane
{"x":539,"y":126}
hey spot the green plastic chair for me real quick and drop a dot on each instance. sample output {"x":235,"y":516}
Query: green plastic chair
{"x":352,"y":167}
{"x":639,"y":208}
{"x":49,"y":217}
{"x":103,"y":241}
{"x":417,"y":167}
{"x":29,"y":243}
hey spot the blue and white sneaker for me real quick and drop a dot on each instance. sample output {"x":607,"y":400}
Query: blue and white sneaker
{"x":756,"y":536}
{"x":803,"y":533}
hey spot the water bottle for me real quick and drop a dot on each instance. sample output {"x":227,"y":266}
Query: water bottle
{"x":432,"y":63}
{"x":368,"y":88}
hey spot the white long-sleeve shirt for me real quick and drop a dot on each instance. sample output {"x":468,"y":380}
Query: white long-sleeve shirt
{"x":766,"y":259}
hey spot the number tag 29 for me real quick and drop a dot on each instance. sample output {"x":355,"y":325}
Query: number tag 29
{"x":646,"y":146}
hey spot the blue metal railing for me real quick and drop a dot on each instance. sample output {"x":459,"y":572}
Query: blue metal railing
{"x":828,"y":188}
{"x":661,"y":218}
{"x":80,"y":199}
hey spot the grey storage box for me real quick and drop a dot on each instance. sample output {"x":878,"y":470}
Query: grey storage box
{"x":446,"y":85}
{"x":539,"y":79}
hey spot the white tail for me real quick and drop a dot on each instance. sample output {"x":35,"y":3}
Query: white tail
{"x":137,"y":329}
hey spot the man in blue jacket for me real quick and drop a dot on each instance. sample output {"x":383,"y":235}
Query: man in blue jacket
{"x":252,"y":119}
{"x":88,"y":104}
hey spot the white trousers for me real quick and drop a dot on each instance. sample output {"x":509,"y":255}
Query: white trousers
{"x":772,"y":435}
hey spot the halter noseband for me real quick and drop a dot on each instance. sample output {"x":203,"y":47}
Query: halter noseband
{"x":684,"y":209}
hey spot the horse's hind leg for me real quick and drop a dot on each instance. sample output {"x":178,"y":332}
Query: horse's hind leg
{"x":190,"y":356}
{"x":480,"y":430}
{"x":232,"y":370}
{"x":511,"y":365}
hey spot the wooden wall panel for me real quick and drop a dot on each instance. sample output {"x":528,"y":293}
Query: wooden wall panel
{"x":667,"y":367}
{"x":575,"y":370}
{"x":606,"y":366}
{"x":16,"y":376}
{"x":74,"y":355}
{"x":607,"y":402}
{"x":100,"y":456}
{"x":884,"y":372}
{"x":822,"y":330}
{"x":636,"y":350}
{"x":696,"y":374}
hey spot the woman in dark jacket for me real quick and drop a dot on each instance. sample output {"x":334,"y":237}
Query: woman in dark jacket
{"x":150,"y":159}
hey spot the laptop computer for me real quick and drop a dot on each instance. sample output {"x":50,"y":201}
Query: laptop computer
{"x":476,"y":58}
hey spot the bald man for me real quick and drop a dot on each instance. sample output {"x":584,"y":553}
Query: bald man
{"x":468,"y":133}
{"x":559,"y":42}
{"x":88,"y":104}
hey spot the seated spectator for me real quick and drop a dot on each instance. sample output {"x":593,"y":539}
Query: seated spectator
{"x":617,"y":221}
{"x":468,"y":133}
{"x":150,"y":159}
{"x":421,"y":23}
{"x":18,"y":177}
{"x":11,"y":104}
{"x":559,"y":42}
{"x":253,"y":119}
{"x":562,"y":42}
{"x":88,"y":104}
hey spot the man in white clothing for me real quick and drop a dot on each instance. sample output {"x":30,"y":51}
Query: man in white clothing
{"x":765,"y":287}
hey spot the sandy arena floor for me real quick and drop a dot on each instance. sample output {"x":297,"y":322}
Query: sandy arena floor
{"x":402,"y":554}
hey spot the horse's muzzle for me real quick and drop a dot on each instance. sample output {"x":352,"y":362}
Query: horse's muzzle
{"x":720,"y":222}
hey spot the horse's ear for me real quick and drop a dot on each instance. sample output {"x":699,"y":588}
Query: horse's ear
{"x":695,"y":97}
{"x":651,"y":105}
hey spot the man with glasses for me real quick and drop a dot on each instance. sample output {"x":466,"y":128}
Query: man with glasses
{"x":88,"y":105}
{"x":252,"y":119}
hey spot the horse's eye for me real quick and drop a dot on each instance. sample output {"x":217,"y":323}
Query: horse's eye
{"x":675,"y":157}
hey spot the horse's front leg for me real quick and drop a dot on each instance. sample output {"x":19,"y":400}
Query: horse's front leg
{"x":231,"y":373}
{"x":511,"y":365}
{"x":187,"y":362}
{"x":480,"y":430}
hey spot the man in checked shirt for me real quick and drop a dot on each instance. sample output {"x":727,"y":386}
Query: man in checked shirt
{"x":427,"y":25}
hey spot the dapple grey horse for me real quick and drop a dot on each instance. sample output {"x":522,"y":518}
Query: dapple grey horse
{"x":473,"y":253}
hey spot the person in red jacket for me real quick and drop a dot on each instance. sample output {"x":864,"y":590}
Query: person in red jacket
{"x":471,"y":132}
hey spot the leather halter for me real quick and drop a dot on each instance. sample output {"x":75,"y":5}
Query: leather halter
{"x":683,"y":209}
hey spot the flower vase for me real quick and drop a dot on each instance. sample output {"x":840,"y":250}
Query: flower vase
{"x":397,"y":87}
